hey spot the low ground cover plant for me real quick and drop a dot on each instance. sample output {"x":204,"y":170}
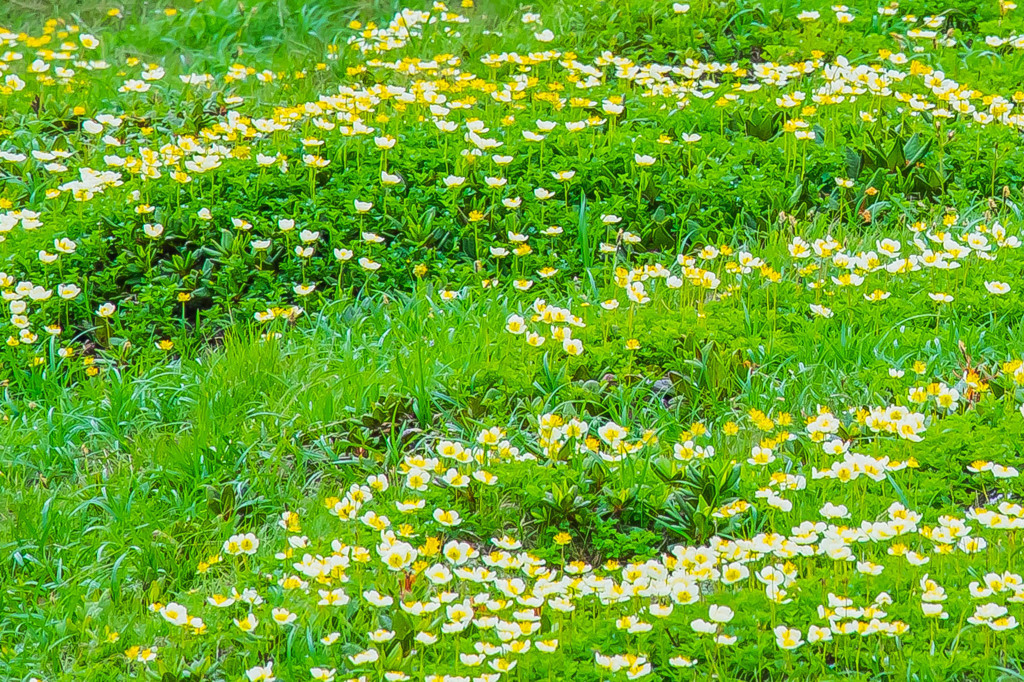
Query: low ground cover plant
{"x":498,"y":342}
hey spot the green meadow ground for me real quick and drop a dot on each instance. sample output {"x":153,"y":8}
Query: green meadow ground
{"x":547,"y":342}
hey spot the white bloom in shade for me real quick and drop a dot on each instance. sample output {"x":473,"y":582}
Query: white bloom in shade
{"x":545,"y":36}
{"x":175,"y":614}
{"x":1000,"y":471}
{"x":381,"y":636}
{"x":68,"y":291}
{"x":426,"y":638}
{"x":261,"y":673}
{"x":315,"y":161}
{"x":447,"y":518}
{"x":377,"y":599}
{"x":368,"y":656}
{"x":720,"y":614}
{"x":515,"y":324}
{"x":788,"y":638}
{"x":915,"y":559}
{"x":453,"y":181}
{"x":644,"y":160}
{"x":776,"y":501}
{"x":548,"y":646}
{"x":821,"y":310}
{"x":362,"y":206}
{"x":472,"y":660}
{"x":680,"y":8}
{"x":835,"y":446}
{"x":834,"y":511}
{"x":984,"y":613}
{"x":1004,"y":623}
{"x":704,"y":627}
{"x":734,"y":573}
{"x":241,"y":544}
{"x":997,"y":288}
{"x":869,"y":568}
{"x":572,"y":346}
{"x":817,"y":633}
{"x":283,"y":616}
{"x":389,"y":178}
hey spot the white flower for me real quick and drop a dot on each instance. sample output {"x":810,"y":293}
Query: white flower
{"x":821,"y":310}
{"x":720,"y":614}
{"x":261,"y":673}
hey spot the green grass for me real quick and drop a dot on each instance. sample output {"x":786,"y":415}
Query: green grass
{"x":134,"y":446}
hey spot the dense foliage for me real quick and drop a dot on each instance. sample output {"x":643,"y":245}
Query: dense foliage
{"x":634,"y":341}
